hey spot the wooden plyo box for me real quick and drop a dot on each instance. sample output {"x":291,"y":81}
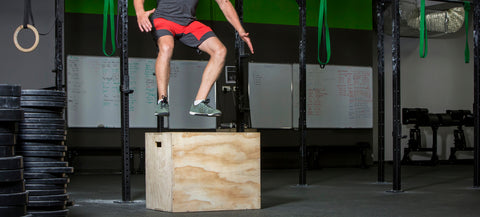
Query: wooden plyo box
{"x":206,"y":171}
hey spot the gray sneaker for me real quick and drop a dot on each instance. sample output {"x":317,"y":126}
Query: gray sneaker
{"x":203,"y":109}
{"x":162,"y":109}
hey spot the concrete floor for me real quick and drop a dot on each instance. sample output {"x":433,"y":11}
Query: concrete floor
{"x":444,"y":190}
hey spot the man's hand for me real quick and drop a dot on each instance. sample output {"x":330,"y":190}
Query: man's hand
{"x":143,"y":22}
{"x":245,"y":37}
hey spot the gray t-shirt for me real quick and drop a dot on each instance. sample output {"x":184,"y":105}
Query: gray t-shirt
{"x":178,"y":11}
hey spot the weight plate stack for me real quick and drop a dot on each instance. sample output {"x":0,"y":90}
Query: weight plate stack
{"x":41,"y":141}
{"x":13,"y":195}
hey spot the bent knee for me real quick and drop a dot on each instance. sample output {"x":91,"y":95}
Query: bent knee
{"x":165,"y":49}
{"x":220,"y":53}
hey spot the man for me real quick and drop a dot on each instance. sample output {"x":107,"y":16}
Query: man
{"x":175,"y":19}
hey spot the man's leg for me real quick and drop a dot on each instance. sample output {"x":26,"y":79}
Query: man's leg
{"x":162,"y":72}
{"x":217,"y":52}
{"x":162,"y":64}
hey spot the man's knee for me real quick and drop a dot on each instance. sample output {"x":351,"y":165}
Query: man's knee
{"x":220,"y":52}
{"x":165,"y":46}
{"x":165,"y":49}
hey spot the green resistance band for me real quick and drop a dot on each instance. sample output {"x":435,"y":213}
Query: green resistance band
{"x":423,"y":32}
{"x":322,"y":17}
{"x":108,"y":5}
{"x":466,"y":6}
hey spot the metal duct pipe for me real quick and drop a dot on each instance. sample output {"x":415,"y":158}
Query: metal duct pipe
{"x":441,"y":18}
{"x":449,"y":21}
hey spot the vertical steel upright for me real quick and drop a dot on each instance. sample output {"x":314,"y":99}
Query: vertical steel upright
{"x":239,"y":81}
{"x":59,"y":19}
{"x":476,"y":105}
{"x":397,"y":130}
{"x":380,"y":7}
{"x":302,"y":122}
{"x":124,"y":91}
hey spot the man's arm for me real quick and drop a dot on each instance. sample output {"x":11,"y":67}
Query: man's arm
{"x":142,"y":16}
{"x":232,"y":17}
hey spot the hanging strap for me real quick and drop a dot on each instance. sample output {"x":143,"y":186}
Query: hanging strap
{"x":322,"y":18}
{"x":423,"y":31}
{"x":108,"y":5}
{"x":27,"y":14}
{"x":466,"y":6}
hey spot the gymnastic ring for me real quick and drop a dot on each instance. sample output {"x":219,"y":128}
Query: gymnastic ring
{"x":15,"y":40}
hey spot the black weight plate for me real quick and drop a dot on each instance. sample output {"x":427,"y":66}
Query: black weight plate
{"x":43,"y":104}
{"x":44,"y":120}
{"x":11,"y":175}
{"x":49,"y":144}
{"x":14,"y":199}
{"x":9,"y":102}
{"x":44,"y":98}
{"x":55,"y":213}
{"x":7,"y":139}
{"x":46,"y":192}
{"x":61,"y":148}
{"x":11,"y":114}
{"x":43,"y":93}
{"x":40,"y":154}
{"x":42,"y":137}
{"x":12,"y":187}
{"x":52,"y":203}
{"x":40,"y":126}
{"x":46,"y":164}
{"x":43,"y":110}
{"x":48,"y":181}
{"x":10,"y":90}
{"x":7,"y":151}
{"x":13,"y":211}
{"x":55,"y":197}
{"x":42,"y":131}
{"x":11,"y":163}
{"x":8,"y":127}
{"x":49,"y":169}
{"x":29,"y":175}
{"x":42,"y":159}
{"x":33,"y":187}
{"x":43,"y":115}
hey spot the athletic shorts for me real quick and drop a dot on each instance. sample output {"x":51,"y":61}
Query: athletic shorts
{"x":191,"y":35}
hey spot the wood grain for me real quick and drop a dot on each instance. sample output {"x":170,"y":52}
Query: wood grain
{"x":211,"y":171}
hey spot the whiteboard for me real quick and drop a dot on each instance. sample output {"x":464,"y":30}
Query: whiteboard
{"x":337,"y":96}
{"x":267,"y":109}
{"x":93,"y":88}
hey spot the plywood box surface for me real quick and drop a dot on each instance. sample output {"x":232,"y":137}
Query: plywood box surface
{"x":191,"y":171}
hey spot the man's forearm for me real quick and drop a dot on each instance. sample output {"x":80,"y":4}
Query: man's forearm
{"x":138,"y":5}
{"x":231,"y":15}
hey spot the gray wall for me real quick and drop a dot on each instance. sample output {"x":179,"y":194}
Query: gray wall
{"x":31,"y":70}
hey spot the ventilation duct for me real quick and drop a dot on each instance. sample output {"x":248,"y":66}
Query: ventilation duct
{"x":442,"y":18}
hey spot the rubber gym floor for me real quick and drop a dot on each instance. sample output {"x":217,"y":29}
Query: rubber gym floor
{"x":443,"y":190}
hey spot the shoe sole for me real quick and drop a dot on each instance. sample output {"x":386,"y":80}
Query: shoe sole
{"x":203,"y":114}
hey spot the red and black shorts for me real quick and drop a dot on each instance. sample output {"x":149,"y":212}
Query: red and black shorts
{"x":191,"y":35}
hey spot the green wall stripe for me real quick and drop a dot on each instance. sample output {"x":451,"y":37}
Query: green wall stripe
{"x":346,"y":14}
